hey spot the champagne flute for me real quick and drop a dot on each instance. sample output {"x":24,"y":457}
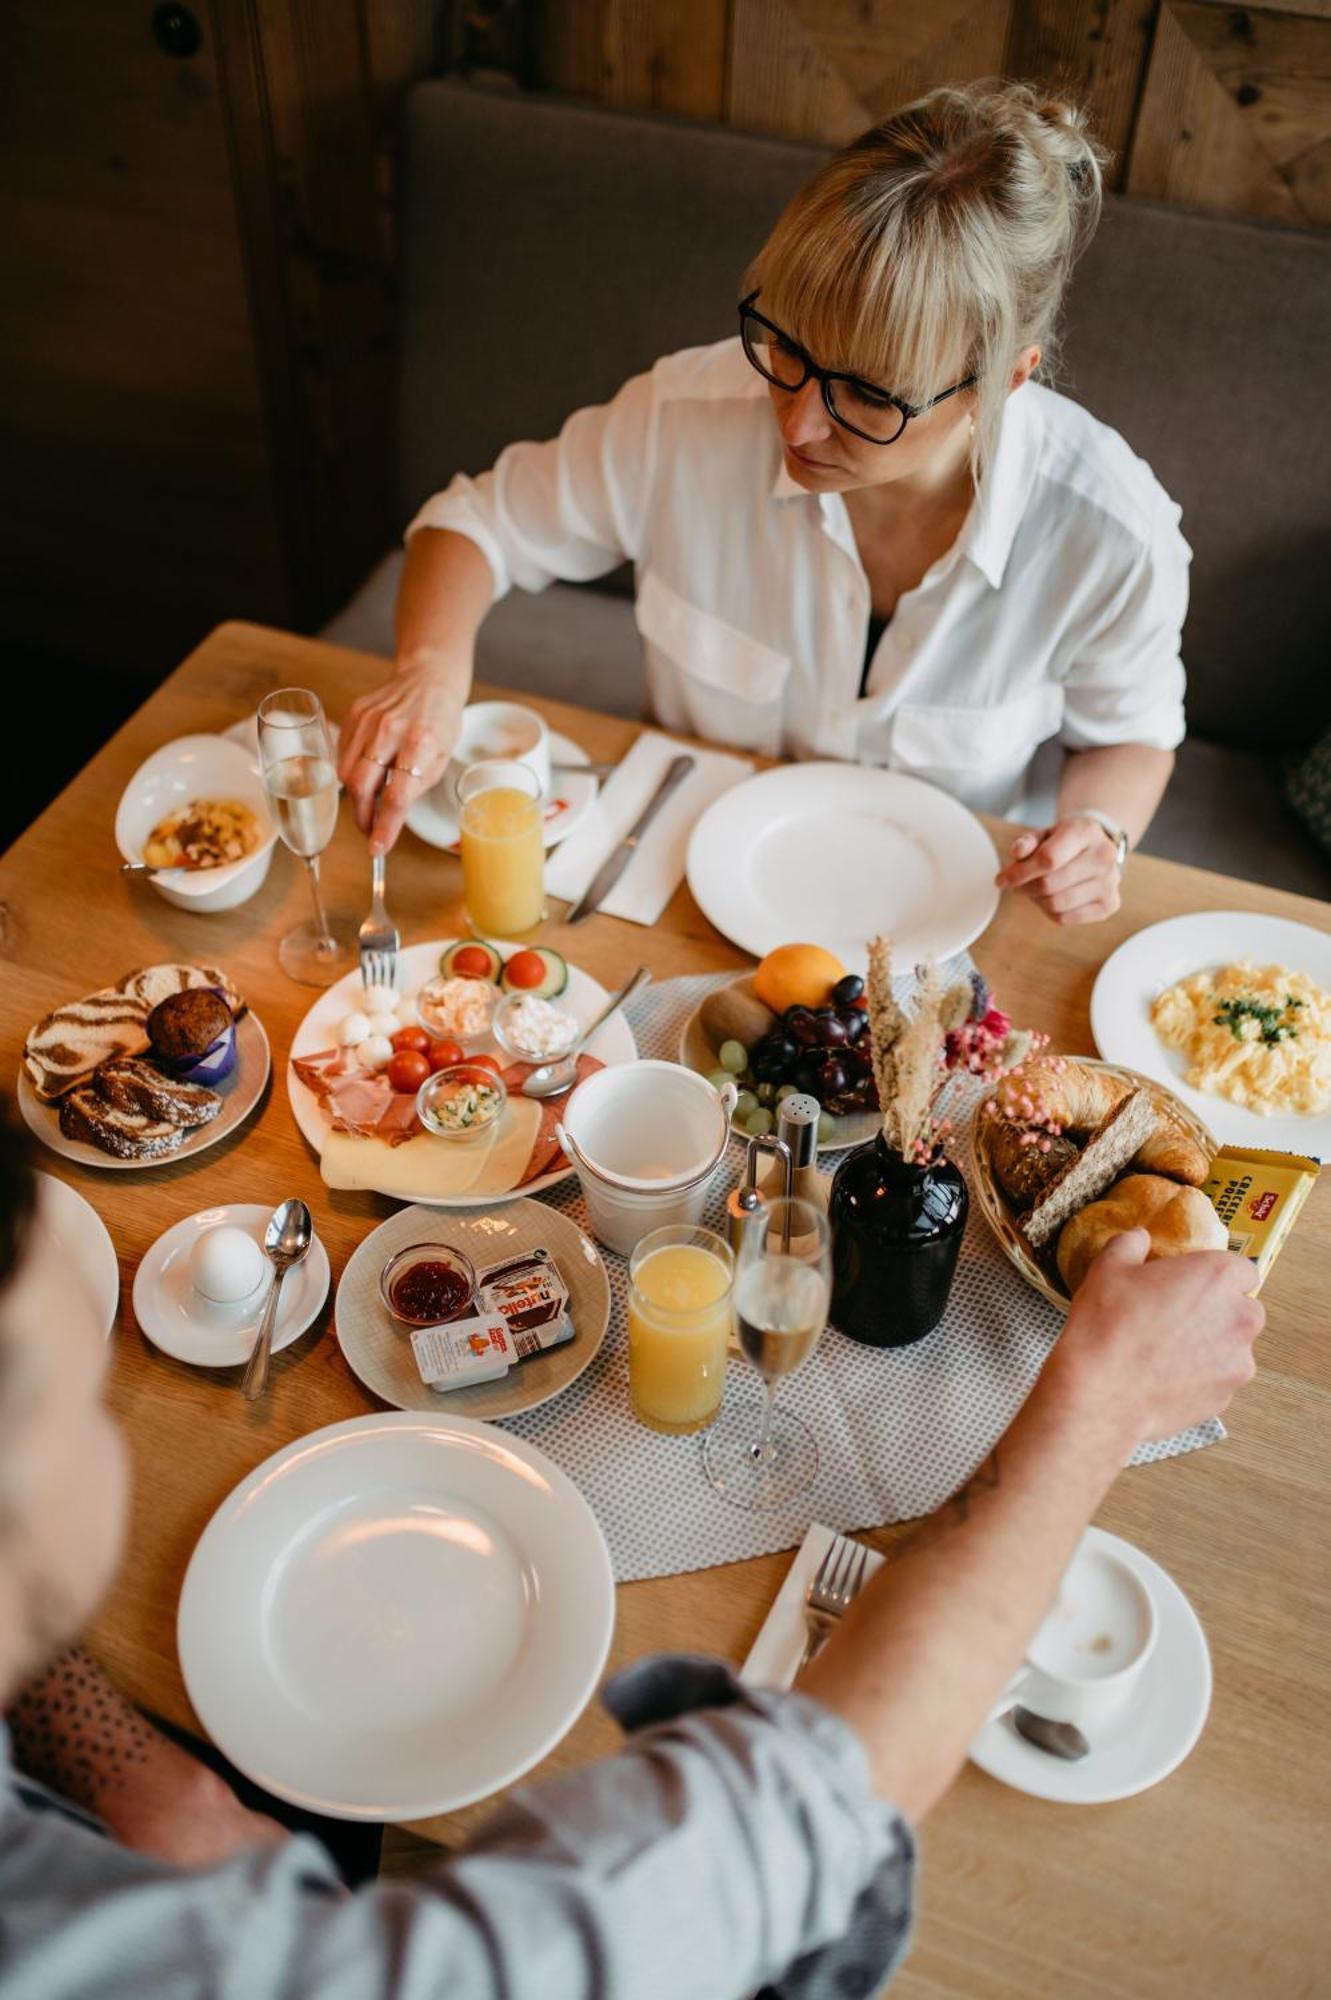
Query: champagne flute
{"x":296,"y":758}
{"x":783,"y":1287}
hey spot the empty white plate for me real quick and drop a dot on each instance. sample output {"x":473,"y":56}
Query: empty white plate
{"x":1145,"y":964}
{"x":835,"y":854}
{"x":395,"y":1616}
{"x":433,"y":817}
{"x":190,"y":1327}
{"x":84,"y":1244}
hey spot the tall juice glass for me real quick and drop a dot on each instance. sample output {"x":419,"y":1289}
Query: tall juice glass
{"x":680,"y":1282}
{"x":503,"y":848}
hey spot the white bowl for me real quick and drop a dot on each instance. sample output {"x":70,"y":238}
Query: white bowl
{"x":197,"y":767}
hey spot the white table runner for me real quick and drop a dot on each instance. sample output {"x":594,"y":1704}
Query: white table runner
{"x":898,"y":1430}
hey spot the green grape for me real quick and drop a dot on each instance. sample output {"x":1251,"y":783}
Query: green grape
{"x":759,"y":1123}
{"x":719,"y":1078}
{"x":826,"y":1129}
{"x":786,"y":1090}
{"x":746,"y":1102}
{"x":767,"y":1093}
{"x":734,"y":1057}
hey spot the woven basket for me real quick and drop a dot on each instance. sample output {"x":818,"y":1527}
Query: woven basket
{"x":1003,"y":1218}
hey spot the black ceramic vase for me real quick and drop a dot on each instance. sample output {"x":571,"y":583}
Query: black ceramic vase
{"x":896,"y":1231}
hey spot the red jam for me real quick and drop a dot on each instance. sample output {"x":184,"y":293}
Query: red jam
{"x":430,"y":1292}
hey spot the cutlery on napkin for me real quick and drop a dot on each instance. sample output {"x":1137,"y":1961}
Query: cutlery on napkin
{"x":657,"y":867}
{"x":775,"y":1656}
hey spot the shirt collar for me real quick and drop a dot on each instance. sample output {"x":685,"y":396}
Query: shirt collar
{"x":994,"y":519}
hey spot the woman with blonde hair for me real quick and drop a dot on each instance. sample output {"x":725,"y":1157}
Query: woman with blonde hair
{"x":861,"y":530}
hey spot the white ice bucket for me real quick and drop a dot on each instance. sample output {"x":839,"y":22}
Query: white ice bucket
{"x":646,"y":1139}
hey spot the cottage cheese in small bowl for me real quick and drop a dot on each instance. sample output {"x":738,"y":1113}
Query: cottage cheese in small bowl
{"x":461,"y":1009}
{"x":533,"y":1029}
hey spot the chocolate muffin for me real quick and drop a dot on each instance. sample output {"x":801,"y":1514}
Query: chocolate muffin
{"x":185,"y":1024}
{"x":1024,"y":1171}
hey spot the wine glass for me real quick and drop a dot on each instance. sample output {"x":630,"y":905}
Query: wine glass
{"x":296,"y":758}
{"x":783,"y":1287}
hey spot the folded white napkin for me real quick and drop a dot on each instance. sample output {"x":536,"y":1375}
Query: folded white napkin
{"x":657,"y":868}
{"x":776,"y":1653}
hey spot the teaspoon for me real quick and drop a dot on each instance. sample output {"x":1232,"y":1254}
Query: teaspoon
{"x":552,"y":1079}
{"x":287,"y":1240}
{"x":1059,"y":1739}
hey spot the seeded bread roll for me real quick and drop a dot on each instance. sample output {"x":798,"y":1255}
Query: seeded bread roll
{"x":1102,"y":1159}
{"x":1021,"y":1169}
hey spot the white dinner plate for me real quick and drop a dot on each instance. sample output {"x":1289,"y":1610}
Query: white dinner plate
{"x":239,"y":1092}
{"x":176,"y":1318}
{"x":378,"y":1347}
{"x":1167,"y":1713}
{"x":84,"y":1244}
{"x":835,"y":854}
{"x":395,"y":1616}
{"x":433,"y":817}
{"x":1144,"y":965}
{"x":583,"y":997}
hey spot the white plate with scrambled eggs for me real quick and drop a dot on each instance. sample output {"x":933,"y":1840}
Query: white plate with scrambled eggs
{"x":1233,"y":1012}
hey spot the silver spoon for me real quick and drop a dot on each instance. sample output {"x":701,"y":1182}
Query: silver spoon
{"x":552,"y":1079}
{"x":286,"y":1240}
{"x":1059,"y":1739}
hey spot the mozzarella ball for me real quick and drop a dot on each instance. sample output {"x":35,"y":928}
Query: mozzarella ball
{"x":354,"y":1029}
{"x":384,"y":1023}
{"x":374,"y":1052}
{"x":380,"y":999}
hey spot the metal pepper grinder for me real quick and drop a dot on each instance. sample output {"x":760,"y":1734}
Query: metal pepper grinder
{"x":797,"y":1134}
{"x":746,"y":1208}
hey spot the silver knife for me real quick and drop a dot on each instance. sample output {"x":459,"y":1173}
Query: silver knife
{"x":619,"y":857}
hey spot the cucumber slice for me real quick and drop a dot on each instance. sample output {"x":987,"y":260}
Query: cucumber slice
{"x":492,"y":969}
{"x":554,"y":982}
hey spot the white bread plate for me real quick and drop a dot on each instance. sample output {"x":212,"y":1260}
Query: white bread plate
{"x":1005,"y":1220}
{"x":197,"y":767}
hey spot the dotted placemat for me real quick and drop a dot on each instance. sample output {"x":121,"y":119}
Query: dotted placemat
{"x":898,"y":1430}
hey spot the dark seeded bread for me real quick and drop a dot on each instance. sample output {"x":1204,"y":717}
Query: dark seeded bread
{"x":129,"y":1085}
{"x":127,"y":1135}
{"x":1105,"y":1156}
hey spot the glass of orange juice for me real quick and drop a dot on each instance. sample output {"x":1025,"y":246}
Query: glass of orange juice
{"x":680,"y":1281}
{"x":503,"y":848}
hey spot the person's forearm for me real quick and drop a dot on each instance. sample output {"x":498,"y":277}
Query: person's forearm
{"x":446,"y":589}
{"x":922,"y":1655}
{"x":1125,"y":780}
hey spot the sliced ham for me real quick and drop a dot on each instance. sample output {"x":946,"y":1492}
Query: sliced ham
{"x":357,"y":1103}
{"x":547,"y":1154}
{"x":317,"y":1072}
{"x":398,"y":1121}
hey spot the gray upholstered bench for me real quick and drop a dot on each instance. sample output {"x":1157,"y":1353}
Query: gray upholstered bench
{"x":551,"y":249}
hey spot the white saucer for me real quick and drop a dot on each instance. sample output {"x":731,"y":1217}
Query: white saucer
{"x":433,"y":818}
{"x":1151,"y":1739}
{"x":84,"y":1244}
{"x":177,"y":1319}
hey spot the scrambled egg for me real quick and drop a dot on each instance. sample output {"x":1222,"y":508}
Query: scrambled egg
{"x":1258,"y":1035}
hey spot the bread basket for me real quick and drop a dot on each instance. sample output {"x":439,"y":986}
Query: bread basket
{"x":999,"y":1212}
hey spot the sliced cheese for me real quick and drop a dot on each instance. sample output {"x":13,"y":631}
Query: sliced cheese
{"x":428,"y":1168}
{"x":511,"y":1151}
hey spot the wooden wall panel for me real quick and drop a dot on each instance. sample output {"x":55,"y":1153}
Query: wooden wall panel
{"x":643,"y":55}
{"x":1095,"y":50}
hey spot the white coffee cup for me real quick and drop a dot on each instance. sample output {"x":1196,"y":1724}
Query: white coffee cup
{"x":499,"y":730}
{"x":646,"y":1138}
{"x":1085,"y":1662}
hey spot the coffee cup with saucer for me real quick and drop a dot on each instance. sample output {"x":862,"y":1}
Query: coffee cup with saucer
{"x":1087,"y":1657}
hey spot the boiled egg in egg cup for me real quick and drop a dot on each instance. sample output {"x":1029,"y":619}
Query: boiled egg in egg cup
{"x":187,"y":1290}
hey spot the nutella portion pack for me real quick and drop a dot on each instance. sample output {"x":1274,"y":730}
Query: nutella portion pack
{"x":532,"y":1298}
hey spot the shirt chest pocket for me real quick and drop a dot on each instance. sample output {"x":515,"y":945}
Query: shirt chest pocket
{"x":707,"y":677}
{"x":1002,"y":737}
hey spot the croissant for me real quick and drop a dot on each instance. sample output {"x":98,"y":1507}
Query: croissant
{"x":1079,"y":1098}
{"x":1177,"y":1219}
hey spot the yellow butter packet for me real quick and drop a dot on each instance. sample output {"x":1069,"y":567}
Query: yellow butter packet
{"x":1257,"y":1195}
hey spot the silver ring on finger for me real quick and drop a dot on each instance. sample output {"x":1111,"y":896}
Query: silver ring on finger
{"x":365,"y":758}
{"x":406,"y":770}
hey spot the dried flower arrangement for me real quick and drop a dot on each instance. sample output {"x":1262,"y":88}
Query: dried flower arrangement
{"x":951,"y":1032}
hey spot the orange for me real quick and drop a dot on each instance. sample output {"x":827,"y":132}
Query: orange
{"x":797,"y":975}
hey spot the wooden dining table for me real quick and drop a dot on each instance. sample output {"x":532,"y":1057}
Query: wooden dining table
{"x":1215,"y":1881}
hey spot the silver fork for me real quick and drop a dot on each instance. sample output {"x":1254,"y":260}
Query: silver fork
{"x":833,"y":1590}
{"x":377,"y":937}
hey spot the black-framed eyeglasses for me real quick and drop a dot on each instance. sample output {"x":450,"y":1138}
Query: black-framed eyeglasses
{"x":876,"y":415}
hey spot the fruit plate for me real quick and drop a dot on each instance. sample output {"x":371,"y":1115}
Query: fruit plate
{"x":698,"y":1052}
{"x":583,"y":997}
{"x":1002,"y":1216}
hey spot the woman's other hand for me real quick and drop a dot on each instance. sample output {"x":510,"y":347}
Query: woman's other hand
{"x":1071,"y":871}
{"x":395,"y":745}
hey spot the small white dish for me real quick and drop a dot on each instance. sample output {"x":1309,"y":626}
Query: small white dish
{"x":197,"y":767}
{"x":1147,"y":1740}
{"x":433,"y":817}
{"x":84,"y":1243}
{"x":834,"y":854}
{"x":184,"y":1324}
{"x":395,"y":1616}
{"x":1155,"y":958}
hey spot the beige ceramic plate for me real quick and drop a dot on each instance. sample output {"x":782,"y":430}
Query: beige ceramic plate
{"x":1002,"y":1217}
{"x":696,"y":1051}
{"x":378,"y":1347}
{"x":239,"y":1092}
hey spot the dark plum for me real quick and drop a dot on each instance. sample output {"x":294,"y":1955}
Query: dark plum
{"x":848,"y":990}
{"x":831,"y":1076}
{"x":855,"y":1024}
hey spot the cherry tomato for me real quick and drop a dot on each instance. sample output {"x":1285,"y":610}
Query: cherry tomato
{"x":408,"y":1070}
{"x":442,"y":1055}
{"x":410,"y":1038}
{"x":484,"y":1062}
{"x":525,"y":968}
{"x":471,"y":962}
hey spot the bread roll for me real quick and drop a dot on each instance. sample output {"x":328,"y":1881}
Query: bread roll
{"x":1021,"y":1169}
{"x":1177,"y":1219}
{"x":1080,"y":1098}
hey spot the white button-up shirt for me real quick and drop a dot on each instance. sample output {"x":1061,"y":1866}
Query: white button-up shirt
{"x":1053,"y":620}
